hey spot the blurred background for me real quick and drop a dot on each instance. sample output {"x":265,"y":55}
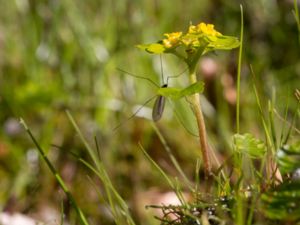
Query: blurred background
{"x":62,"y":54}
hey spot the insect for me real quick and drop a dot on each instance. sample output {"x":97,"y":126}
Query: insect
{"x":160,"y":101}
{"x":159,"y":104}
{"x":165,"y":91}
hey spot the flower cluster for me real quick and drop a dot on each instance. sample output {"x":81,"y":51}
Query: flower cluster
{"x":207,"y":29}
{"x":192,"y":37}
{"x":172,"y":40}
{"x":198,"y":40}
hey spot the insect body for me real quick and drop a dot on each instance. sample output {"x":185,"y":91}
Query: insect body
{"x":160,"y":101}
{"x":159,"y":106}
{"x":163,"y":92}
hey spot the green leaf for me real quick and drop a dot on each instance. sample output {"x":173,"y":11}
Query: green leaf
{"x":177,"y":93}
{"x":248,"y":144}
{"x":155,"y":48}
{"x":283,"y":202}
{"x":288,"y":157}
{"x":222,"y":43}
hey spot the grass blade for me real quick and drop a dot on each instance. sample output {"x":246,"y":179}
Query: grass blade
{"x":170,"y":182}
{"x":297,"y":18}
{"x":239,"y":73}
{"x":172,"y":157}
{"x":58,"y":178}
{"x":118,"y":205}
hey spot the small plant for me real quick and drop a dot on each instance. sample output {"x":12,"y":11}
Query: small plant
{"x":189,"y":47}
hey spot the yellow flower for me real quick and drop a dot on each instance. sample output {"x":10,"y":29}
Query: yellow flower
{"x":193,"y":29}
{"x":172,"y":39}
{"x":204,"y":28}
{"x":190,"y":39}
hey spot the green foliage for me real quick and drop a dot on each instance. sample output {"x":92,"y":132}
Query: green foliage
{"x":249,"y":145}
{"x":288,"y":157}
{"x":155,"y":48}
{"x":177,"y":93}
{"x":283,"y":202}
{"x":222,"y":43}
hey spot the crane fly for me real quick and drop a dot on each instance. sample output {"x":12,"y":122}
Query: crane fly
{"x":159,"y":104}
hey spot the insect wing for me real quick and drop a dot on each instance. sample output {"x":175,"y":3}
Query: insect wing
{"x":158,"y":108}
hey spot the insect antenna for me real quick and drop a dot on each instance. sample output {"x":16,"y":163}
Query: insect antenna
{"x":139,"y":77}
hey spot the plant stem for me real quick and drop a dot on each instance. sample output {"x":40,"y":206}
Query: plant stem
{"x":195,"y":102}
